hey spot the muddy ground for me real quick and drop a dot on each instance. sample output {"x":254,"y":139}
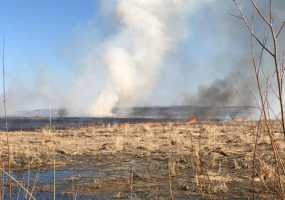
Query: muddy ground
{"x":146,"y":161}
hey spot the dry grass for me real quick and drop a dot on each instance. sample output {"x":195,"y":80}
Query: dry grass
{"x":220,"y":154}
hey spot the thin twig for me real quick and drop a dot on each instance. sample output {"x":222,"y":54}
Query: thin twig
{"x":18,"y":183}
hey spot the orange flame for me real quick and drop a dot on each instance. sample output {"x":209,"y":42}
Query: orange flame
{"x":193,"y":120}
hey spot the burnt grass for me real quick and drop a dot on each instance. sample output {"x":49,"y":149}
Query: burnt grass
{"x":149,"y":160}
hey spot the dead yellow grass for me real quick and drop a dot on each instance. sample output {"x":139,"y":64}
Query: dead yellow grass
{"x":228,"y":139}
{"x":220,"y":153}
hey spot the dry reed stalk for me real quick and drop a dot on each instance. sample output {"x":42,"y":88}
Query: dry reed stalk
{"x":1,"y":179}
{"x":75,"y":196}
{"x":9,"y":167}
{"x":52,"y":133}
{"x":277,"y":71}
{"x":54,"y":173}
{"x":74,"y":193}
{"x":213,"y":145}
{"x":72,"y":186}
{"x":191,"y":139}
{"x":28,"y":177}
{"x":34,"y":185}
{"x":19,"y":193}
{"x":170,"y":180}
{"x":5,"y":116}
{"x":198,"y":163}
{"x":18,"y":183}
{"x":254,"y":157}
{"x":132,"y":182}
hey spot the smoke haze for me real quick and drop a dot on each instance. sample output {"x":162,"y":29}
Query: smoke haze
{"x":236,"y":89}
{"x":151,"y":52}
{"x":149,"y":30}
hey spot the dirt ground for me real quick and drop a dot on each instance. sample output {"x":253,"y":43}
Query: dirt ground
{"x":155,"y":161}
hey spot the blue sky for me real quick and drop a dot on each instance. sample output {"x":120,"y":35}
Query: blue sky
{"x":36,"y":33}
{"x":50,"y":37}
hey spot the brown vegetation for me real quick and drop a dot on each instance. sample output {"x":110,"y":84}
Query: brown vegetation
{"x":211,"y":160}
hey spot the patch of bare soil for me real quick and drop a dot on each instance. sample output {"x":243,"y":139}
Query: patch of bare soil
{"x":154,"y":161}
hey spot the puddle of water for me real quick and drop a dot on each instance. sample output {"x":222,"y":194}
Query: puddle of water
{"x":63,"y":178}
{"x":84,"y":174}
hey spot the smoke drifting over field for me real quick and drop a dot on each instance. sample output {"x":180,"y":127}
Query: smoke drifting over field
{"x":127,"y":66}
{"x":134,"y":57}
{"x":236,"y":89}
{"x":238,"y":86}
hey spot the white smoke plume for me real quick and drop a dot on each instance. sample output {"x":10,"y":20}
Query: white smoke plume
{"x":149,"y":30}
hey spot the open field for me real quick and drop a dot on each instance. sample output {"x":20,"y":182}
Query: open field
{"x":142,"y":99}
{"x":147,"y":160}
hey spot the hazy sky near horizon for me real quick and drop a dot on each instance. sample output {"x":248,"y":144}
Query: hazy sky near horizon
{"x":48,"y":44}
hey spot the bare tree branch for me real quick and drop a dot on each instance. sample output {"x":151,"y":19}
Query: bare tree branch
{"x":244,"y":19}
{"x":258,"y":10}
{"x":270,"y":11}
{"x":280,"y":29}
